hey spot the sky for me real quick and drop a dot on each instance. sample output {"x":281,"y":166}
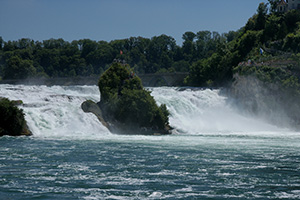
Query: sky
{"x":119,"y":19}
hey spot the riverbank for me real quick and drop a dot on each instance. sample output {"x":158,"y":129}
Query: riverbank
{"x":66,"y":81}
{"x":148,"y":80}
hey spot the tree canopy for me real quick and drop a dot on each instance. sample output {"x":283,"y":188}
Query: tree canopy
{"x":12,"y":121}
{"x":124,"y":98}
{"x":27,"y":58}
{"x":209,"y":57}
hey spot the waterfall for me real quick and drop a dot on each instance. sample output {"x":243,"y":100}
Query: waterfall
{"x":55,"y":111}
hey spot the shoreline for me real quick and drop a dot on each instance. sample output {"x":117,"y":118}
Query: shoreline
{"x":65,"y":81}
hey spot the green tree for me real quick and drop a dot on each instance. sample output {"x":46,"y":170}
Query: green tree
{"x":247,"y":41}
{"x":12,"y":119}
{"x":9,"y":46}
{"x":262,"y":11}
{"x":54,"y":43}
{"x":160,"y":48}
{"x":49,"y":60}
{"x":16,"y":68}
{"x":188,"y":47}
{"x":25,"y":43}
{"x":181,"y":66}
{"x":203,"y":39}
{"x":231,"y":35}
{"x":87,"y":46}
{"x":283,"y":30}
{"x":273,"y":5}
{"x":1,"y":43}
{"x":102,"y":55}
{"x":124,"y":98}
{"x":200,"y":73}
{"x":291,"y":19}
{"x":292,"y":42}
{"x":251,"y":23}
{"x":272,"y":27}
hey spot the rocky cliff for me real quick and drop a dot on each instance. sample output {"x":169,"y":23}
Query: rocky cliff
{"x":12,"y":121}
{"x":269,"y":100}
{"x":125,"y":106}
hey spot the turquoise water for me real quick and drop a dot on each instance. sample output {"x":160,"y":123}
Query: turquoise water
{"x":173,"y":167}
{"x":216,"y":151}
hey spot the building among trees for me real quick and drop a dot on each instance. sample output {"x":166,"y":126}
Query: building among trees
{"x":286,"y":5}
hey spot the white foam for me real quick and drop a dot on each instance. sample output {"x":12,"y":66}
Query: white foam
{"x":207,"y":111}
{"x":54,"y":112}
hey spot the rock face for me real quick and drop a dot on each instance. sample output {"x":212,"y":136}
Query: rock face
{"x":12,"y":121}
{"x":253,"y":93}
{"x":125,"y":106}
{"x":92,"y":107}
{"x":268,"y":100}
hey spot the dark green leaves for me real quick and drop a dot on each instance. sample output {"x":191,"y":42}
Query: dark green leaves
{"x":123,"y":97}
{"x":12,"y":119}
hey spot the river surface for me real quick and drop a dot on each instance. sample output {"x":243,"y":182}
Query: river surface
{"x":216,"y":151}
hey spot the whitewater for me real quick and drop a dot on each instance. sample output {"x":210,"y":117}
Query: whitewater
{"x":217,"y":150}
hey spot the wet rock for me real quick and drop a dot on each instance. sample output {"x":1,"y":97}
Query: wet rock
{"x":126,"y":107}
{"x":12,"y":121}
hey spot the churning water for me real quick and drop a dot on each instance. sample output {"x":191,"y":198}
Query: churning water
{"x":216,"y":151}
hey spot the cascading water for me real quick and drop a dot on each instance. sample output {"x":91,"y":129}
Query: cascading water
{"x":198,"y":111}
{"x":55,"y":111}
{"x":216,"y":152}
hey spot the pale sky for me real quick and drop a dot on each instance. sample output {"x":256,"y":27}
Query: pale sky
{"x":119,"y":19}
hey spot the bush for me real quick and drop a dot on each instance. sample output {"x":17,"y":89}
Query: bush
{"x":124,"y":98}
{"x":12,"y":118}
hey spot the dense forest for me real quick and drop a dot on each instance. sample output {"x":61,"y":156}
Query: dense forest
{"x":58,"y":58}
{"x":209,"y":57}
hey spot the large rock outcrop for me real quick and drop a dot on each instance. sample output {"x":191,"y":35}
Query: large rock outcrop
{"x":12,"y":121}
{"x":269,"y":93}
{"x":125,"y":106}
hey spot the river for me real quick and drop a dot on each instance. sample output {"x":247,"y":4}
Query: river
{"x":217,"y":151}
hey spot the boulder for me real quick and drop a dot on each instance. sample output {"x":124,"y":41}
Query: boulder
{"x":12,"y":121}
{"x":125,"y":106}
{"x":91,"y":107}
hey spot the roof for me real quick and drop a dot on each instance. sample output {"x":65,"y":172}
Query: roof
{"x":282,"y":2}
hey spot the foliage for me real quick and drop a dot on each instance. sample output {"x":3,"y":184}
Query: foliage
{"x":273,"y":4}
{"x":209,"y":57}
{"x":26,"y":58}
{"x":18,"y":68}
{"x":292,"y":42}
{"x":12,"y":118}
{"x":275,"y":28}
{"x":262,"y":11}
{"x":275,"y":32}
{"x":124,"y":98}
{"x":282,"y":77}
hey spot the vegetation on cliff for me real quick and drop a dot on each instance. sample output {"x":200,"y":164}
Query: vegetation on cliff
{"x":209,"y":57}
{"x":283,"y":77}
{"x":12,"y":121}
{"x":271,"y":50}
{"x":27,"y":58}
{"x":124,"y":99}
{"x":269,"y":92}
{"x":265,"y":36}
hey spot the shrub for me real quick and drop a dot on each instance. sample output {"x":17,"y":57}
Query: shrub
{"x":12,"y":118}
{"x":124,"y":98}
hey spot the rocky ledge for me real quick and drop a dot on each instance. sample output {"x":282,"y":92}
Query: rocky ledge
{"x":126,"y":107}
{"x":271,"y":100}
{"x":120,"y":128}
{"x":12,"y":121}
